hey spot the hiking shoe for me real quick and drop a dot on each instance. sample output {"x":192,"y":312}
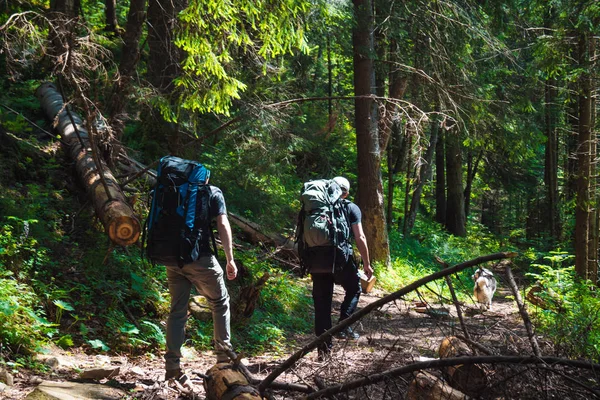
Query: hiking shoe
{"x":324,"y":351}
{"x":173,"y":374}
{"x":222,"y":358}
{"x":348,"y":333}
{"x":181,"y":378}
{"x":323,"y":354}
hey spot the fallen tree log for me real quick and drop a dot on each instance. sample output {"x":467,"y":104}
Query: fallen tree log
{"x":468,"y":378}
{"x":111,"y":206}
{"x":255,"y":234}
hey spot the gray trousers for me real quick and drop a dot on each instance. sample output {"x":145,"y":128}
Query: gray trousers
{"x":206,"y":275}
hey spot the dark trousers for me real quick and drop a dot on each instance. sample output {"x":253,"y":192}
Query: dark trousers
{"x":323,"y":294}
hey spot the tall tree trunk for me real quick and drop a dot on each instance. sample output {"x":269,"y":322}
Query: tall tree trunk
{"x":164,"y":63}
{"x":110,"y":11}
{"x":582,"y":204}
{"x":551,"y":161}
{"x":594,"y":214}
{"x":397,"y":87}
{"x":570,"y":161}
{"x":391,"y":183}
{"x":129,"y":59}
{"x":69,"y":7}
{"x":423,"y":176}
{"x":455,"y":206}
{"x":329,"y":83}
{"x":396,"y":148}
{"x":408,"y":181}
{"x":440,"y":180}
{"x":472,"y":166}
{"x":370,"y":185}
{"x":164,"y":57}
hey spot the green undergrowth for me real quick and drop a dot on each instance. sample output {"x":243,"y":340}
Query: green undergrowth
{"x":429,"y":249}
{"x":570,"y":313}
{"x":62,"y":283}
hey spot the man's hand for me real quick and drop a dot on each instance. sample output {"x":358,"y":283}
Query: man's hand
{"x":231,"y":270}
{"x":368,"y":270}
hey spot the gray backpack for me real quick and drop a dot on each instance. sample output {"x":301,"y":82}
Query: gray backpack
{"x":322,"y":226}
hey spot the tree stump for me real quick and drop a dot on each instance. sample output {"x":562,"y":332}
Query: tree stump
{"x":200,"y":309}
{"x":427,"y":386}
{"x":225,"y":381}
{"x":471,"y":378}
{"x":245,"y":301}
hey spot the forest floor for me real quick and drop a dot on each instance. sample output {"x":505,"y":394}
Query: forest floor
{"x":397,"y":334}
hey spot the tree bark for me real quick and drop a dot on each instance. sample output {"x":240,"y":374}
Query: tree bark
{"x":397,"y":87}
{"x":582,"y":182}
{"x":68,"y":7}
{"x":472,"y":166}
{"x":112,"y":208}
{"x":129,"y":58}
{"x":110,"y":11}
{"x":455,"y":207}
{"x":164,"y":57}
{"x":440,"y":180}
{"x":423,"y":176}
{"x":594,"y":212}
{"x":370,"y":185}
{"x":551,"y":162}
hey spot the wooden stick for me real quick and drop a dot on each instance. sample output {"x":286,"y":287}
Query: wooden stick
{"x":523,"y":311}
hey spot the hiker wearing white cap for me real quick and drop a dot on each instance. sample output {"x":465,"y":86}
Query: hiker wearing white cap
{"x":348,"y":277}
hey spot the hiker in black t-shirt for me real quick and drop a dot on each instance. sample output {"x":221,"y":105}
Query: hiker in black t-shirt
{"x":206,"y":275}
{"x":348,"y":277}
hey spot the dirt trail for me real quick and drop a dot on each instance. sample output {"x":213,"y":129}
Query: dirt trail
{"x":397,"y":334}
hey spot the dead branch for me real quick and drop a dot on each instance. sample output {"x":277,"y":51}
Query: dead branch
{"x":455,"y":300}
{"x":256,"y":234}
{"x":476,"y":345}
{"x":515,"y":290}
{"x":375,"y":305}
{"x":430,"y":364}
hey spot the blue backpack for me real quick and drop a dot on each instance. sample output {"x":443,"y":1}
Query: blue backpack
{"x":178,"y":225}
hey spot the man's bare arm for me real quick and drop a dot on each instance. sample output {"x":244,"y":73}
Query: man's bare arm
{"x":363,"y":249}
{"x":224,"y":229}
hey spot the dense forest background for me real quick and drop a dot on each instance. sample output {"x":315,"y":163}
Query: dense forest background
{"x":465,"y":128}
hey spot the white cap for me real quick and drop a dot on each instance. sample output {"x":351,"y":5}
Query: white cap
{"x":343,"y":182}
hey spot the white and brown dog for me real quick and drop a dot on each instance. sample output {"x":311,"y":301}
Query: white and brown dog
{"x":485,"y":287}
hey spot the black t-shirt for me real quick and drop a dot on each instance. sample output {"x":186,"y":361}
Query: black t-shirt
{"x":354,"y":214}
{"x":217,"y":202}
{"x":354,"y":217}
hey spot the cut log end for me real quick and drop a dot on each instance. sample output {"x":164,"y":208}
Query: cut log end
{"x":469,"y":378}
{"x":124,"y":230}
